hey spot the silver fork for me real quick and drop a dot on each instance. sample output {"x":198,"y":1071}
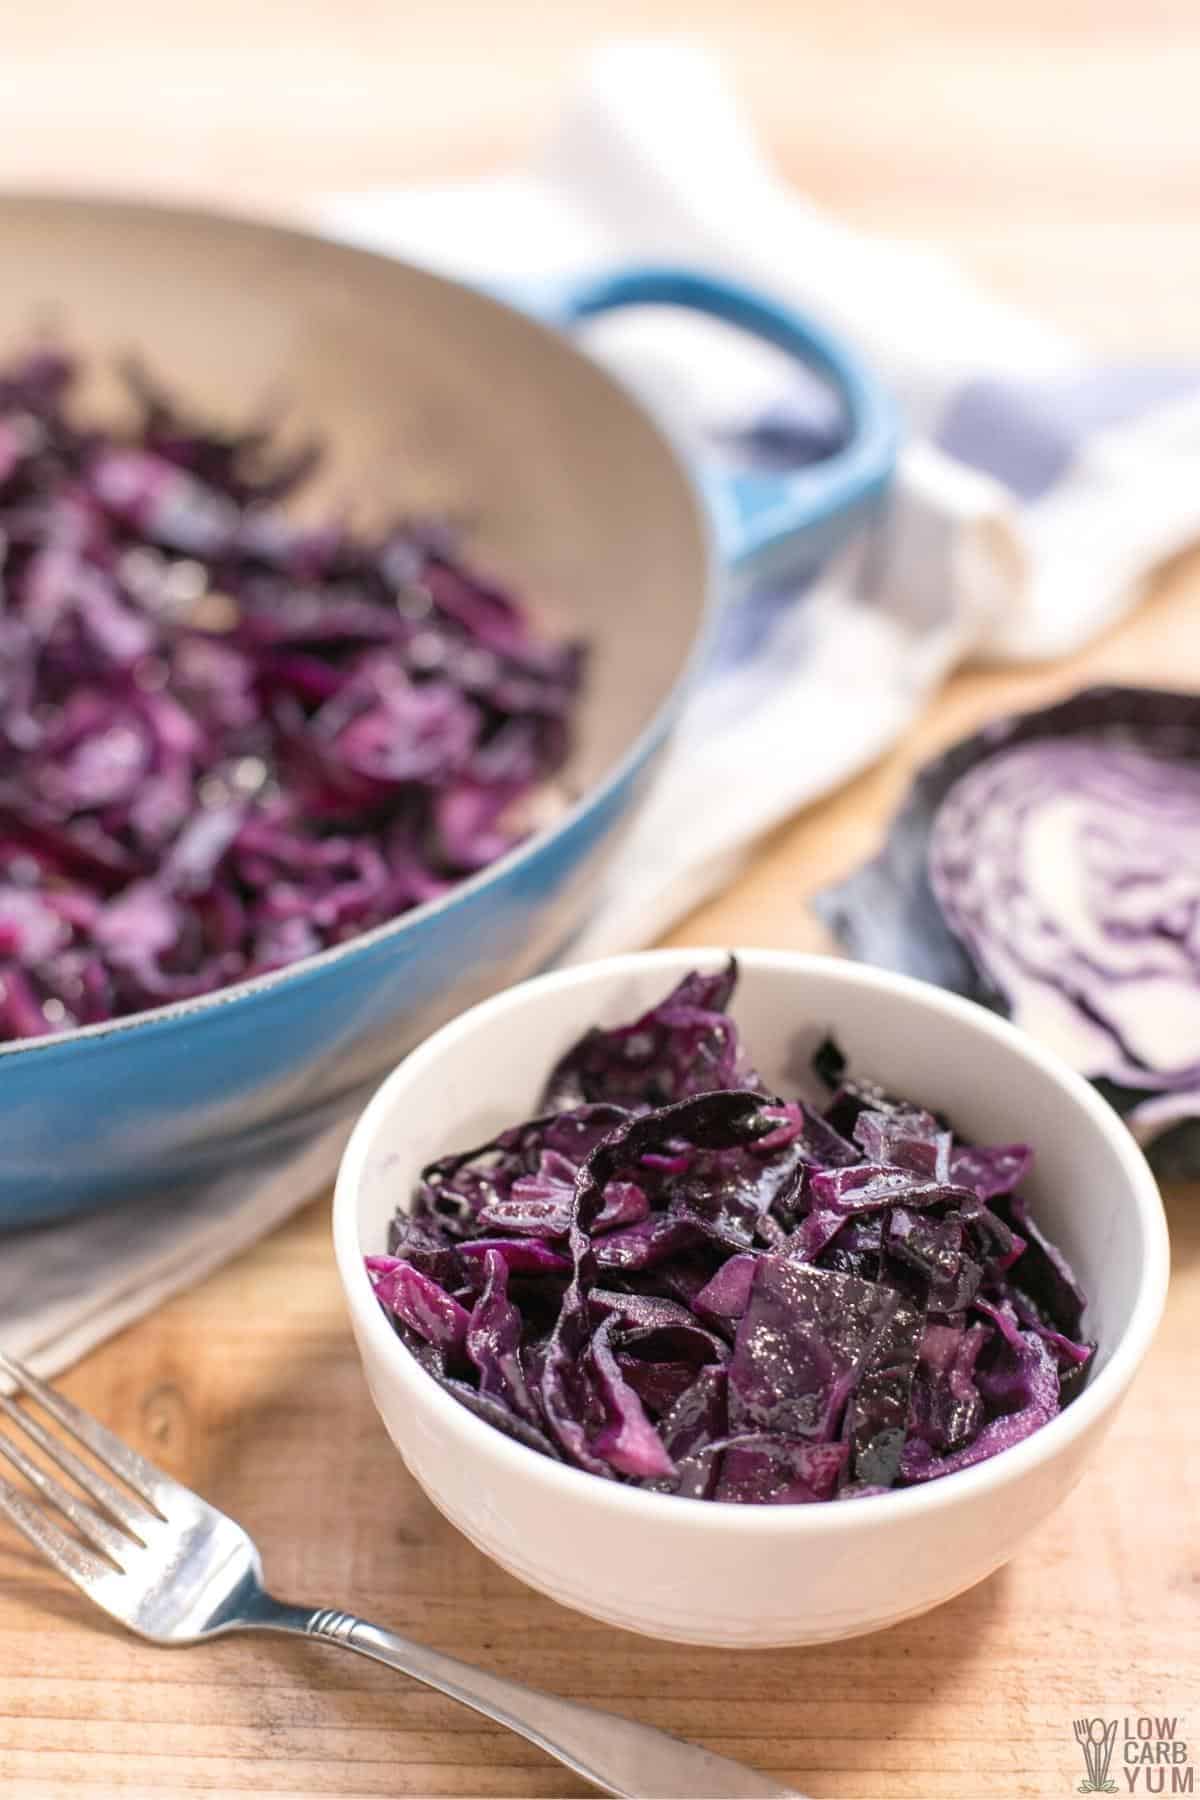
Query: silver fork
{"x":177,"y":1571}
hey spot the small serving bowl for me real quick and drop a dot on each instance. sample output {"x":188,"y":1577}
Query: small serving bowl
{"x":704,"y":1572}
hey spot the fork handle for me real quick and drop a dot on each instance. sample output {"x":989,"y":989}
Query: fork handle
{"x":618,"y":1755}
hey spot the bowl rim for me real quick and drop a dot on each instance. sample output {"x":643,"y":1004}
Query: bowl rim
{"x":593,"y":796}
{"x":573,"y":1485}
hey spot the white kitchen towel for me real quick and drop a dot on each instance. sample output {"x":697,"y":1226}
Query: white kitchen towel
{"x":65,"y":1288}
{"x":1036,"y":493}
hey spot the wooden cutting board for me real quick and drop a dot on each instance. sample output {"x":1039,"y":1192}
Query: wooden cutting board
{"x":1059,"y":156}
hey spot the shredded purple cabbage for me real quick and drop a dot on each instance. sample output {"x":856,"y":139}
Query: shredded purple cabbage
{"x":673,"y":1278}
{"x":228,"y":740}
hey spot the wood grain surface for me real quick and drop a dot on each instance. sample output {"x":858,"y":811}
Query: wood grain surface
{"x":1057,"y":151}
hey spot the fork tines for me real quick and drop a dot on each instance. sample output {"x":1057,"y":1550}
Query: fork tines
{"x":69,"y":1555}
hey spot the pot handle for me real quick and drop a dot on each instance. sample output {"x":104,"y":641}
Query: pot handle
{"x":761,"y":515}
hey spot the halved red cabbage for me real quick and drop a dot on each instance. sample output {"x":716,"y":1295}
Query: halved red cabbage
{"x":229,"y":740}
{"x":1049,"y":866}
{"x":726,"y":1295}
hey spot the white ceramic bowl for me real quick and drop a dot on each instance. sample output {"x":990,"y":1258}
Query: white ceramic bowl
{"x":708,"y":1573}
